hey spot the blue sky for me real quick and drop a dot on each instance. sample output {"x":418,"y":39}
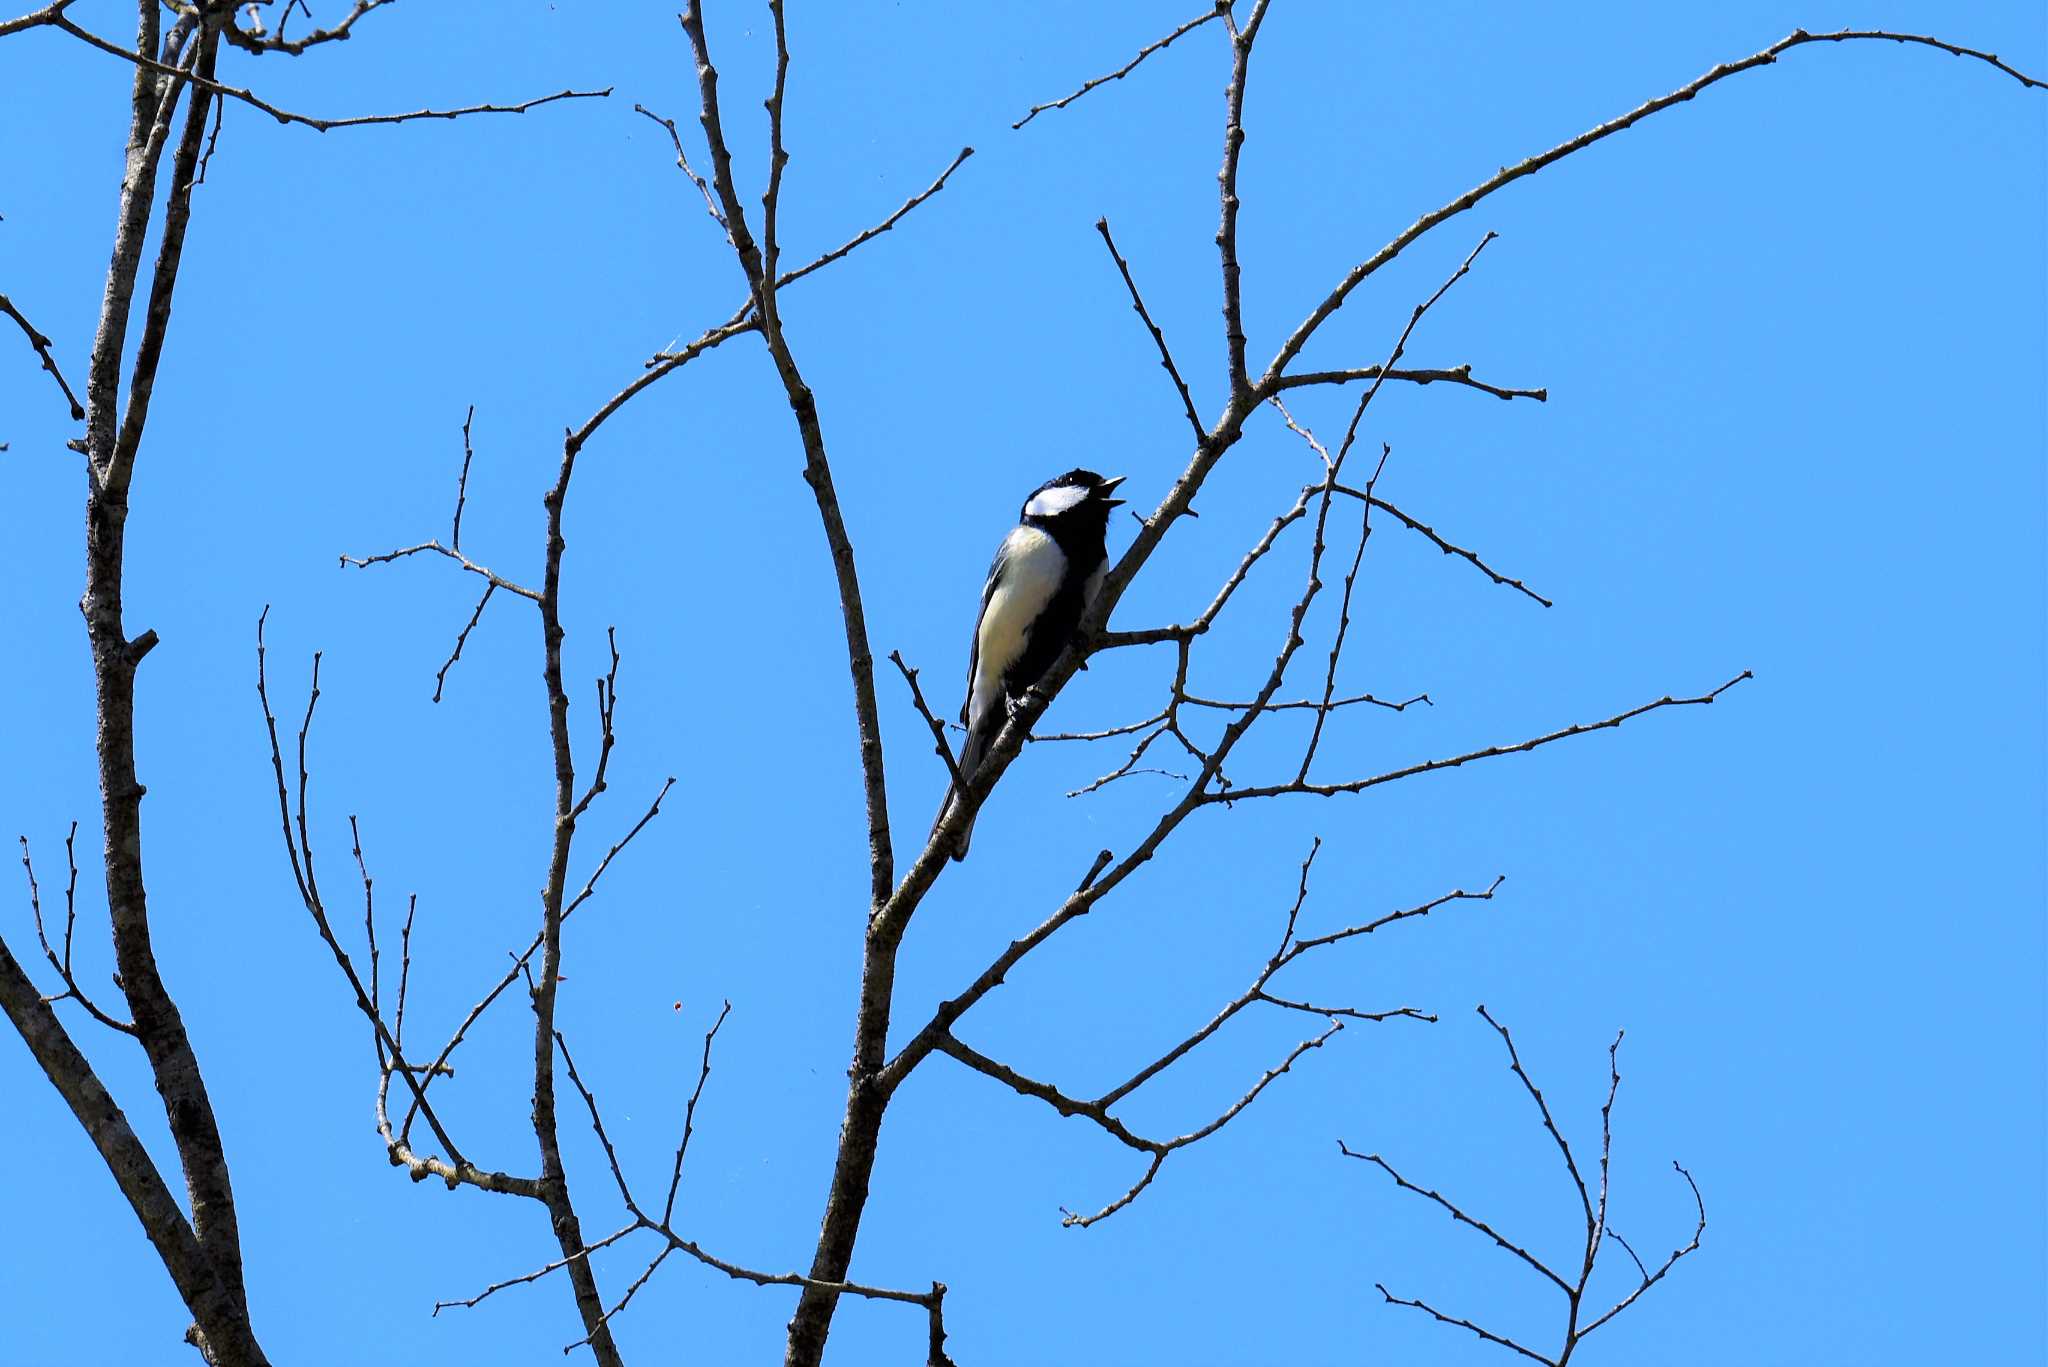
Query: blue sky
{"x":1794,"y":338}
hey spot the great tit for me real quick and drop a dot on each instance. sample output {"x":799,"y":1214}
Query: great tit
{"x":1045,"y":574}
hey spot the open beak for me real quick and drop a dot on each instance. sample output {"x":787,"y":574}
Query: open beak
{"x":1108,"y":486}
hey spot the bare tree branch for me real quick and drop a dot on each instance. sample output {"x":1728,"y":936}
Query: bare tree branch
{"x":683,"y":164}
{"x":1333,"y":705}
{"x":220,"y":1309}
{"x":1459,"y":1215}
{"x":1650,"y":1279}
{"x":42,"y":349}
{"x":363,"y":562}
{"x":48,"y":14}
{"x":462,"y":481}
{"x":1442,"y":1318}
{"x":1490,"y":752}
{"x":1510,"y":174}
{"x":1549,"y":1123}
{"x":1073,"y":1219}
{"x":668,"y":1205}
{"x":758,"y":266}
{"x":257,"y":41}
{"x":441,"y":674}
{"x":758,"y":262}
{"x":1459,"y":375}
{"x":1596,"y":1233}
{"x":457,"y":1170}
{"x":1158,"y":337}
{"x":1241,"y":40}
{"x":250,"y":98}
{"x":938,"y":728}
{"x":938,"y":1035}
{"x":1220,"y":7}
{"x":222,"y":1318}
{"x":63,"y":966}
{"x":932,"y":1301}
{"x":525,"y":1278}
{"x":1447,"y":547}
{"x":869,"y":234}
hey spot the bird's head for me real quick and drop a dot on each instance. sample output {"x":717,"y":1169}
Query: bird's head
{"x":1077,"y":500}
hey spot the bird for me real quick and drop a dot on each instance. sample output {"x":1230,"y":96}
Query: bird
{"x":1046,"y":573}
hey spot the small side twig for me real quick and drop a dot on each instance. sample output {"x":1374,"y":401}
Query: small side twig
{"x":363,"y":562}
{"x":462,"y":481}
{"x":1158,"y":337}
{"x":461,"y":638}
{"x":42,"y":349}
{"x":938,"y":728}
{"x":1219,"y":8}
{"x":668,"y":1206}
{"x":62,"y":966}
{"x":1447,"y":547}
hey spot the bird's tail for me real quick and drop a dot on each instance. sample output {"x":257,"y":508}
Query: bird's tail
{"x":970,"y":760}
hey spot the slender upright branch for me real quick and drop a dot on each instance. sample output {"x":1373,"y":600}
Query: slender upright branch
{"x":1241,"y":40}
{"x":159,"y":1026}
{"x":462,"y":482}
{"x":1508,"y":175}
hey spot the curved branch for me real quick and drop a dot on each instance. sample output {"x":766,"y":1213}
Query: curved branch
{"x":258,"y":42}
{"x":1529,"y":166}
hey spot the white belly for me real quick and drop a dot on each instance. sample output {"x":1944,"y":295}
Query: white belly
{"x":1033,"y":565}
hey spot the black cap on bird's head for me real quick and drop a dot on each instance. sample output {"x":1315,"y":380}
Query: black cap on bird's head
{"x":1079,"y":492}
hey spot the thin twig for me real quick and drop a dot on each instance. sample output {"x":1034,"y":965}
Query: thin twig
{"x":938,"y":728}
{"x":1442,"y":1318}
{"x":1220,"y":7}
{"x":668,"y":1206}
{"x":1490,"y":752}
{"x":1458,"y":1214}
{"x":495,"y":1287}
{"x":869,"y":234}
{"x":1447,"y":547}
{"x":363,"y":562}
{"x":462,"y":481}
{"x":1458,"y":375}
{"x":441,"y":674}
{"x":42,"y":349}
{"x":320,"y":125}
{"x":259,"y":42}
{"x":1158,"y":337}
{"x":63,"y":966}
{"x":683,"y":163}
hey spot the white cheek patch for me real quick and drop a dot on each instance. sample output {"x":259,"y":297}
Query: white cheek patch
{"x":1056,"y":500}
